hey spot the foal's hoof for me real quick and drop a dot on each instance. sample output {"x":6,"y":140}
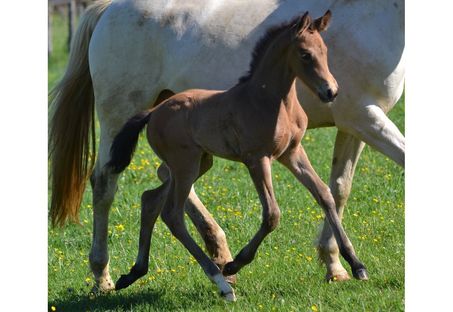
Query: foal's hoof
{"x":361,"y":274}
{"x":230,"y":268}
{"x":124,"y":281}
{"x":339,"y":277}
{"x":230,"y":296}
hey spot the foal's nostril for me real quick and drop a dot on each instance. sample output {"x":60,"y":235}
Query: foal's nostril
{"x":331,"y":95}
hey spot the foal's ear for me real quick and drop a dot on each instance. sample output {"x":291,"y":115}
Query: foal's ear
{"x":303,"y":23}
{"x":322,"y":23}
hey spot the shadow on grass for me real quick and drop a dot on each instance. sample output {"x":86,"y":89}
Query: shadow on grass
{"x":113,"y":301}
{"x":144,"y":299}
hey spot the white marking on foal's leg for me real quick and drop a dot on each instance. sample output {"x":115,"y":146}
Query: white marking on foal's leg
{"x":226,"y":291}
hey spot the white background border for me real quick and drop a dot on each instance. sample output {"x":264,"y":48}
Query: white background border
{"x":23,"y":155}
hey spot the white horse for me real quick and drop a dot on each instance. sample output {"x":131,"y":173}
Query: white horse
{"x":129,"y":54}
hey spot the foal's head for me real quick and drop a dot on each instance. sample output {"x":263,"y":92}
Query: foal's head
{"x":308,"y":56}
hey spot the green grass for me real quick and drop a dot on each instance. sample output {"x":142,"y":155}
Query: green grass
{"x":285,"y":276}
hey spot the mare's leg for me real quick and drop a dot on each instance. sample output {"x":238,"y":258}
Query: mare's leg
{"x":260,"y":171}
{"x":370,"y":124}
{"x":152,"y":204}
{"x":184,"y":172}
{"x":297,"y":162}
{"x":345,"y":156}
{"x":104,"y":185}
{"x":212,"y":234}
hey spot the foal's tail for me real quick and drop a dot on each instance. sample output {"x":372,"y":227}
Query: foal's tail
{"x":72,"y":120}
{"x":125,"y":142}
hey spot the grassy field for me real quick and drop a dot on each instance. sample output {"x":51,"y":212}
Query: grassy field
{"x":285,"y":275}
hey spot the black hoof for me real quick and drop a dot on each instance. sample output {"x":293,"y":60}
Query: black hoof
{"x":124,"y":281}
{"x":361,"y":274}
{"x":230,"y":268}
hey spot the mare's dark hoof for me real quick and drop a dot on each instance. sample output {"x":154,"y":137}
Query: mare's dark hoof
{"x":230,"y":268}
{"x":361,"y":274}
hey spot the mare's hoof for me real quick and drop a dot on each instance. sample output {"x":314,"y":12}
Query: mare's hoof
{"x":124,"y":281}
{"x":103,"y":286}
{"x":230,"y":268}
{"x":361,"y":274}
{"x":338,"y":277}
{"x":230,"y":296}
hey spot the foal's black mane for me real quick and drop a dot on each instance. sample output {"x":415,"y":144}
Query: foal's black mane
{"x":262,"y":45}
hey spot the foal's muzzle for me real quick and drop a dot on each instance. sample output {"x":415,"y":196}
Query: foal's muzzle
{"x":331,"y":95}
{"x":328,"y":96}
{"x":328,"y":91}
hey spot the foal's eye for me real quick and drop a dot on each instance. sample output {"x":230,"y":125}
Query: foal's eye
{"x":305,"y":56}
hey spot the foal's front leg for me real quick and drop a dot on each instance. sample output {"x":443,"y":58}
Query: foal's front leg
{"x":297,"y":162}
{"x":260,"y":171}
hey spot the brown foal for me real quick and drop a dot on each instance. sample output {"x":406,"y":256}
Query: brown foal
{"x":255,"y":122}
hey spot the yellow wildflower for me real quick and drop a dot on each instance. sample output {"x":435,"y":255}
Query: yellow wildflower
{"x":119,"y":227}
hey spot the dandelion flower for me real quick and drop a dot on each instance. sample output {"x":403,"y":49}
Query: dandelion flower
{"x":119,"y":227}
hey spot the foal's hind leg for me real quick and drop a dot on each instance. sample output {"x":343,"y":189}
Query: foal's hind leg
{"x":297,"y":162}
{"x":184,"y":172}
{"x":212,"y":234}
{"x":152,"y":204}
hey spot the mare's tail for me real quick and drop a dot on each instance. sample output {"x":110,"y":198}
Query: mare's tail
{"x":125,"y":142}
{"x":72,"y":123}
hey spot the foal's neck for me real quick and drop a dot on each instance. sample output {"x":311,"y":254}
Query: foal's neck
{"x":273,"y":77}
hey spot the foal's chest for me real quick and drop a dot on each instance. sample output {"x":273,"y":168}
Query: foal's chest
{"x":289,"y":130}
{"x":269,"y":133}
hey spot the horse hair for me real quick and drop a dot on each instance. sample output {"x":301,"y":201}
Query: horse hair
{"x":125,"y":142}
{"x":263,"y":43}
